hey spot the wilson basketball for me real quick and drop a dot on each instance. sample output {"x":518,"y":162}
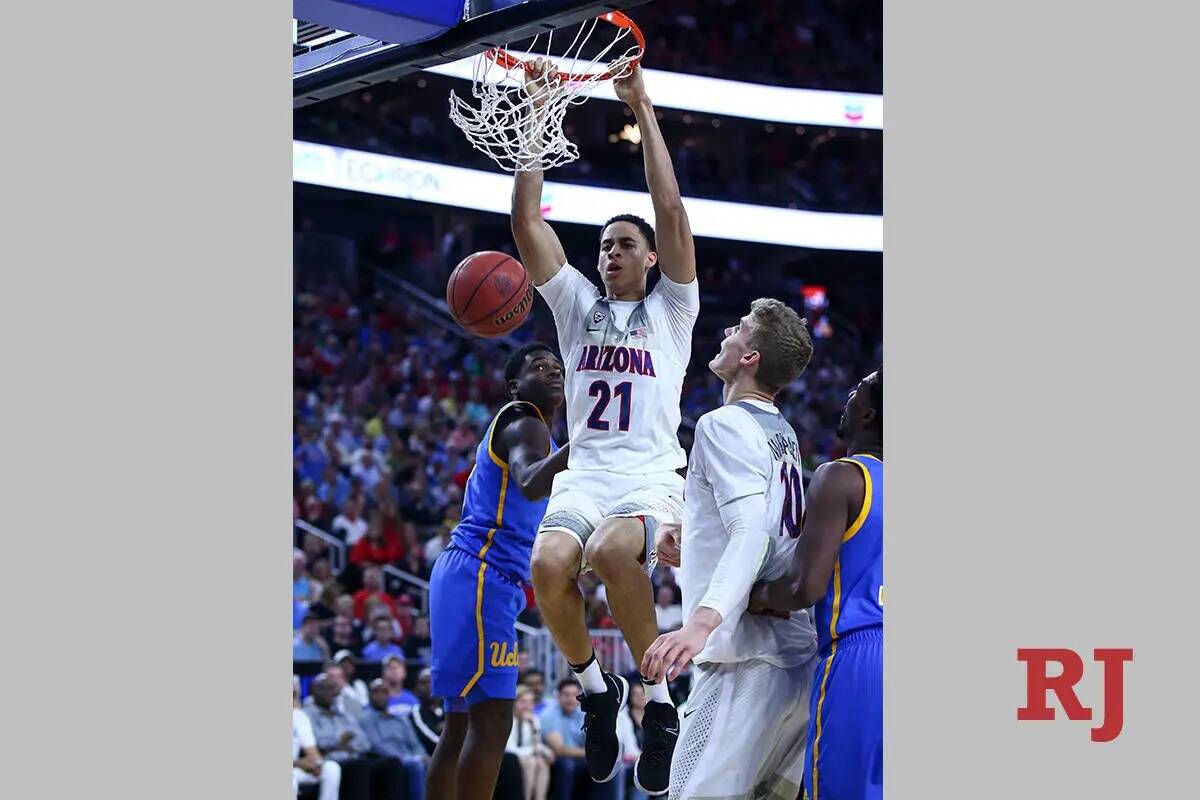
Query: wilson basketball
{"x":489,"y":293}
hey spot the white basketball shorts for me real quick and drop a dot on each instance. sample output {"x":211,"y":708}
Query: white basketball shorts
{"x":581,"y":499}
{"x":743,"y":733}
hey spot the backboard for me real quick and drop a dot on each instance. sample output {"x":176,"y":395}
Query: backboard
{"x":339,"y":46}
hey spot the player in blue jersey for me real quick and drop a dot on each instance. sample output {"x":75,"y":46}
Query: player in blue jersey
{"x":477,"y":586}
{"x":838,"y":570}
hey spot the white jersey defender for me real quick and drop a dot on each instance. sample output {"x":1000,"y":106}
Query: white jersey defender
{"x":625,"y":362}
{"x":752,"y":679}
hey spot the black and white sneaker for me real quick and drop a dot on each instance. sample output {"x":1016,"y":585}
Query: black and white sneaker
{"x":660,"y":732}
{"x":601,"y":745}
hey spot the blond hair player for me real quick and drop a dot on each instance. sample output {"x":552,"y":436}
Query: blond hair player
{"x":747,"y":716}
{"x":625,"y":354}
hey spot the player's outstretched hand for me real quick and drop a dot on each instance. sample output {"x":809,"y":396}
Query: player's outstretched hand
{"x":666,"y":544}
{"x":630,"y":88}
{"x":671,"y":652}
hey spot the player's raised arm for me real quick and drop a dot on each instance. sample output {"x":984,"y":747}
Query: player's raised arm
{"x":531,"y":465}
{"x":673,"y":231}
{"x":541,"y":252}
{"x":835,"y":495}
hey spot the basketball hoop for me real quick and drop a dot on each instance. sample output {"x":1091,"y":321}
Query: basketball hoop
{"x":521,"y":128}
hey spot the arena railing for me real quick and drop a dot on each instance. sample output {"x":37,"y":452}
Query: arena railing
{"x":418,"y":586}
{"x":337,"y":548}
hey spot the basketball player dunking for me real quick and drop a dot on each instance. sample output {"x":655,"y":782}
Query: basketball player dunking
{"x":625,"y":353}
{"x":476,"y":587}
{"x":839,"y":567}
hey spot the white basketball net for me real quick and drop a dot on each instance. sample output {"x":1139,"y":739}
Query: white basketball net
{"x":521,"y":128}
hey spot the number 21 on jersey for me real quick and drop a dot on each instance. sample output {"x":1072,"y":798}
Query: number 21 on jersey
{"x":604,"y":394}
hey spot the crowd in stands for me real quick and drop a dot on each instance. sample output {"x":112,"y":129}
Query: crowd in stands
{"x":354,"y":741}
{"x":814,"y":168}
{"x":818,"y":44}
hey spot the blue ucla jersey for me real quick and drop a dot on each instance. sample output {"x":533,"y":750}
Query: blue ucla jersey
{"x":498,"y":524}
{"x":854,"y":599}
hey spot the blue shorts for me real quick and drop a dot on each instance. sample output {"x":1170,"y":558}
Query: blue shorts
{"x":845,"y":729}
{"x":473,"y":611}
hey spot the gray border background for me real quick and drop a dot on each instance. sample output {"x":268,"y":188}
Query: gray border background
{"x":147,"y":400}
{"x":1039,"y":253}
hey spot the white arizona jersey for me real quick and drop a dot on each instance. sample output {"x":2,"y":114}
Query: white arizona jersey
{"x":742,"y":451}
{"x":624,"y":362}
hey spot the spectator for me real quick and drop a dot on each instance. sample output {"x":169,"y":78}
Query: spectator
{"x":323,"y":586}
{"x":349,"y":525}
{"x":405,"y":616}
{"x":354,"y":691}
{"x":340,"y":738}
{"x":301,"y":587}
{"x":382,"y":645}
{"x":341,"y":702}
{"x":314,"y":548}
{"x":668,"y":612}
{"x":366,"y":468}
{"x":308,"y":767}
{"x":372,"y":589}
{"x":535,"y":680}
{"x":308,"y":644}
{"x":525,"y":742}
{"x":395,"y":675}
{"x":393,"y":736}
{"x":315,"y":512}
{"x":343,"y":606}
{"x":378,"y":546}
{"x":334,"y":488}
{"x":418,"y":647}
{"x":342,"y":636}
{"x":562,"y":728}
{"x":429,"y":715}
{"x":437,"y":545}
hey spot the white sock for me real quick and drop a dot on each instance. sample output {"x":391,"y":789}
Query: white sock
{"x":591,"y":677}
{"x":657,"y":692}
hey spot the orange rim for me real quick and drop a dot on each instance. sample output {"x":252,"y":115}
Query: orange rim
{"x":507,"y":60}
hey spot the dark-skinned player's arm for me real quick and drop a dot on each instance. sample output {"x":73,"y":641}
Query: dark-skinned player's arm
{"x":541,"y":251}
{"x":672,"y":230}
{"x":834,"y":499}
{"x":531,"y":466}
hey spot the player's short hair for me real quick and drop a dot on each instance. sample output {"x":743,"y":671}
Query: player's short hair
{"x":645,"y":227}
{"x":877,"y":395}
{"x":512,"y":367}
{"x":783,"y":342}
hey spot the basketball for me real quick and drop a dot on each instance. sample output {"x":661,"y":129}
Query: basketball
{"x":489,"y":293}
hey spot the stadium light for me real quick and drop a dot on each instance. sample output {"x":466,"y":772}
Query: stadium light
{"x":736,"y":98}
{"x":428,"y":182}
